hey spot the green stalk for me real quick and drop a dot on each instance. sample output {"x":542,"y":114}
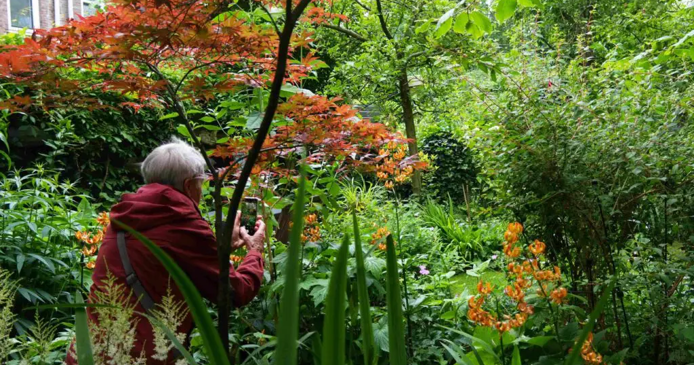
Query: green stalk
{"x":288,"y":329}
{"x":396,"y":332}
{"x":82,"y":341}
{"x":367,"y":334}
{"x":334,"y":324}
{"x":576,"y":350}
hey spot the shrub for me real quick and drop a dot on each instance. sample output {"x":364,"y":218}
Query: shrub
{"x":453,"y":169}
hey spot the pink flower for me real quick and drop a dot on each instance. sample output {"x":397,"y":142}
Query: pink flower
{"x":423,"y":270}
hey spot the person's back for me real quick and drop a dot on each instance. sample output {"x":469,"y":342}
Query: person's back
{"x":170,"y":218}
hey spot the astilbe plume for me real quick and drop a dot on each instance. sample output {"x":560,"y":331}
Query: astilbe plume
{"x":114,"y":336}
{"x":171,"y":314}
{"x":8,"y":290}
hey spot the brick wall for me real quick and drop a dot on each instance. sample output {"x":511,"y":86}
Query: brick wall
{"x":46,"y":13}
{"x":4,"y":21}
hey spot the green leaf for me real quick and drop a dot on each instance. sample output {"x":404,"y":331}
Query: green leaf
{"x":423,"y":27}
{"x":505,"y":9}
{"x":576,"y":350}
{"x":83,"y":342}
{"x":461,"y":21}
{"x":368,"y":346}
{"x":20,"y":262}
{"x":515,"y":357}
{"x":482,"y":21}
{"x":396,"y":329}
{"x":486,"y":346}
{"x":45,"y":261}
{"x":333,"y":348}
{"x":456,"y":353}
{"x":288,"y":329}
{"x":253,"y":120}
{"x":182,"y":130}
{"x":539,"y":340}
{"x":444,"y":24}
{"x":528,"y":3}
{"x":211,"y":341}
{"x":169,"y":116}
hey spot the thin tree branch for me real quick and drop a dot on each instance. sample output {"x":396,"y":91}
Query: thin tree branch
{"x":274,"y":24}
{"x":382,"y":20}
{"x":223,"y":250}
{"x":346,"y":31}
{"x":362,"y":5}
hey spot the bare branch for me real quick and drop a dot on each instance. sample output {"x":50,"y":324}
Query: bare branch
{"x":274,"y":24}
{"x":382,"y":20}
{"x":346,"y":31}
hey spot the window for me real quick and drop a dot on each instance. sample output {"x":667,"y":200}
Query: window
{"x":91,"y":7}
{"x":23,"y":14}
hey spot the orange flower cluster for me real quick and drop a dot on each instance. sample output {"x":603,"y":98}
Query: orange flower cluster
{"x":588,"y":354}
{"x":511,"y":237}
{"x":378,"y":236}
{"x":480,"y":316}
{"x":235,"y":259}
{"x":91,"y":241}
{"x":311,"y":229}
{"x":523,"y":273}
{"x":392,"y":165}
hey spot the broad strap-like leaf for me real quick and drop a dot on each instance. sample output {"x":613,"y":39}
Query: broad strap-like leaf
{"x":367,"y":334}
{"x":576,"y":350}
{"x":396,"y":328}
{"x":288,"y":328}
{"x":83,"y":342}
{"x":334,"y":323}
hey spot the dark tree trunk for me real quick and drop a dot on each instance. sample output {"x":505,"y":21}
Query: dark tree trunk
{"x":410,"y":129}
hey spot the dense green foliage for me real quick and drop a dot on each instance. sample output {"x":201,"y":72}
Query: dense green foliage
{"x":571,"y":117}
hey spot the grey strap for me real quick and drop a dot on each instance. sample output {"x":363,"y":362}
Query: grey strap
{"x":131,"y":278}
{"x":140,"y":291}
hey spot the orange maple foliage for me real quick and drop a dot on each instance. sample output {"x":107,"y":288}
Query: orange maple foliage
{"x":149,"y":50}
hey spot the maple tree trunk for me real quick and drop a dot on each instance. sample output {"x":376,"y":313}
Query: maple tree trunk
{"x":410,"y":130}
{"x":223,"y":248}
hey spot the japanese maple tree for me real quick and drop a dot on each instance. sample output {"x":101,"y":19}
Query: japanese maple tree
{"x":173,"y":53}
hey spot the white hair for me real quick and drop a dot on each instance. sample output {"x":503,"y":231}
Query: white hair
{"x":172,"y":163}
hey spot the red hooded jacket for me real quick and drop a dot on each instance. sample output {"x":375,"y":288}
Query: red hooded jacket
{"x":172,"y":221}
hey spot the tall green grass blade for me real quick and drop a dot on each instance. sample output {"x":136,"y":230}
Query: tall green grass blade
{"x":210,"y":340}
{"x":83,"y":343}
{"x":396,"y":329}
{"x":576,"y":350}
{"x":288,"y":328}
{"x":367,"y":333}
{"x":334,"y":323}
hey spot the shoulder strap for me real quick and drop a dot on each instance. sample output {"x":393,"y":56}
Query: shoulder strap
{"x":130,"y":276}
{"x":140,"y":291}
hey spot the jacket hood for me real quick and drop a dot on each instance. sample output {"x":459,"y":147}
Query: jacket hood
{"x":154,"y":205}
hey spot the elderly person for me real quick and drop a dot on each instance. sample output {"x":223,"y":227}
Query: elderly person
{"x":165,"y":210}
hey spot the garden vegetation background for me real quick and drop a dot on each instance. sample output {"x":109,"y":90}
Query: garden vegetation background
{"x":474,"y":182}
